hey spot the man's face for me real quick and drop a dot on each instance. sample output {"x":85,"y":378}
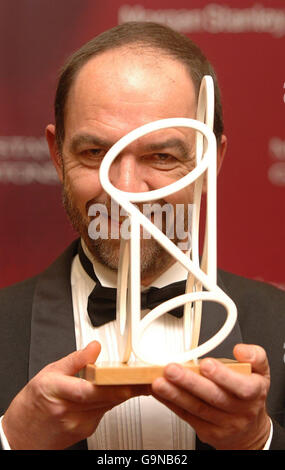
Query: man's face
{"x":113,"y":94}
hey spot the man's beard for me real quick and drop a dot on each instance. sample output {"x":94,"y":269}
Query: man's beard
{"x":154,"y":258}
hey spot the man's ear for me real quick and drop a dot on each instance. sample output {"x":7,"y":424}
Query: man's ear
{"x":53,"y":150}
{"x":221,"y":151}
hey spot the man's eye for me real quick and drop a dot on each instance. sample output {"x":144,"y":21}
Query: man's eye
{"x":163,"y":156}
{"x":95,"y":152}
{"x":163,"y":159}
{"x":93,"y":155}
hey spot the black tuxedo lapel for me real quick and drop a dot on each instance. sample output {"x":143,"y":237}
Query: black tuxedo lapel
{"x":52,"y":327}
{"x":213,"y":318}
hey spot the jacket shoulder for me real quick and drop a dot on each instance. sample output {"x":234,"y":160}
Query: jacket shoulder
{"x":253,"y":296}
{"x":16,"y":296}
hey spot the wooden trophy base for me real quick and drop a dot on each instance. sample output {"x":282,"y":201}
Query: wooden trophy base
{"x":117,"y":373}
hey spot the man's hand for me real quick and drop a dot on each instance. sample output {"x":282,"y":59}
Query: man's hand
{"x":55,"y":409}
{"x":226,"y":408}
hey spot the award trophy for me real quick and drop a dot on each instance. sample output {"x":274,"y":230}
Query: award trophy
{"x":201,"y":281}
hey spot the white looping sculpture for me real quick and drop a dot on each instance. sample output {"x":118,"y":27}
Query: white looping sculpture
{"x":129,"y":323}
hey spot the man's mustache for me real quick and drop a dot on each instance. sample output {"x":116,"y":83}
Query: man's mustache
{"x":113,"y":208}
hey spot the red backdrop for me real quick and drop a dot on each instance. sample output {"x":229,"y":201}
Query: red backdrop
{"x":245,"y":42}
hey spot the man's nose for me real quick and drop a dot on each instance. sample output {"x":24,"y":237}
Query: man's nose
{"x":127,"y":174}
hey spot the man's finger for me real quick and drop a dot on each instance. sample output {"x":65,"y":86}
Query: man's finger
{"x":244,"y":387}
{"x":191,"y":404}
{"x":74,"y":362}
{"x":200,"y":387}
{"x":255,"y":355}
{"x":85,"y":395}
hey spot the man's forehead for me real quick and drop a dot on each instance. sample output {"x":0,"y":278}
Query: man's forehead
{"x":132,"y":66}
{"x":119,"y":91}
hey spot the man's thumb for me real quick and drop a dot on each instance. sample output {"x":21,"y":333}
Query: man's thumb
{"x":74,"y":362}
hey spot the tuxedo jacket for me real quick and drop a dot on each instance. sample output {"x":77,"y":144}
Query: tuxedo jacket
{"x":37,"y":328}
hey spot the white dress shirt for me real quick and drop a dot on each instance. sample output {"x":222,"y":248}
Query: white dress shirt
{"x":141,"y":422}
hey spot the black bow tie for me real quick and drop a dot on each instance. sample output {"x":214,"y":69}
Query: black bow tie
{"x":102,"y":300}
